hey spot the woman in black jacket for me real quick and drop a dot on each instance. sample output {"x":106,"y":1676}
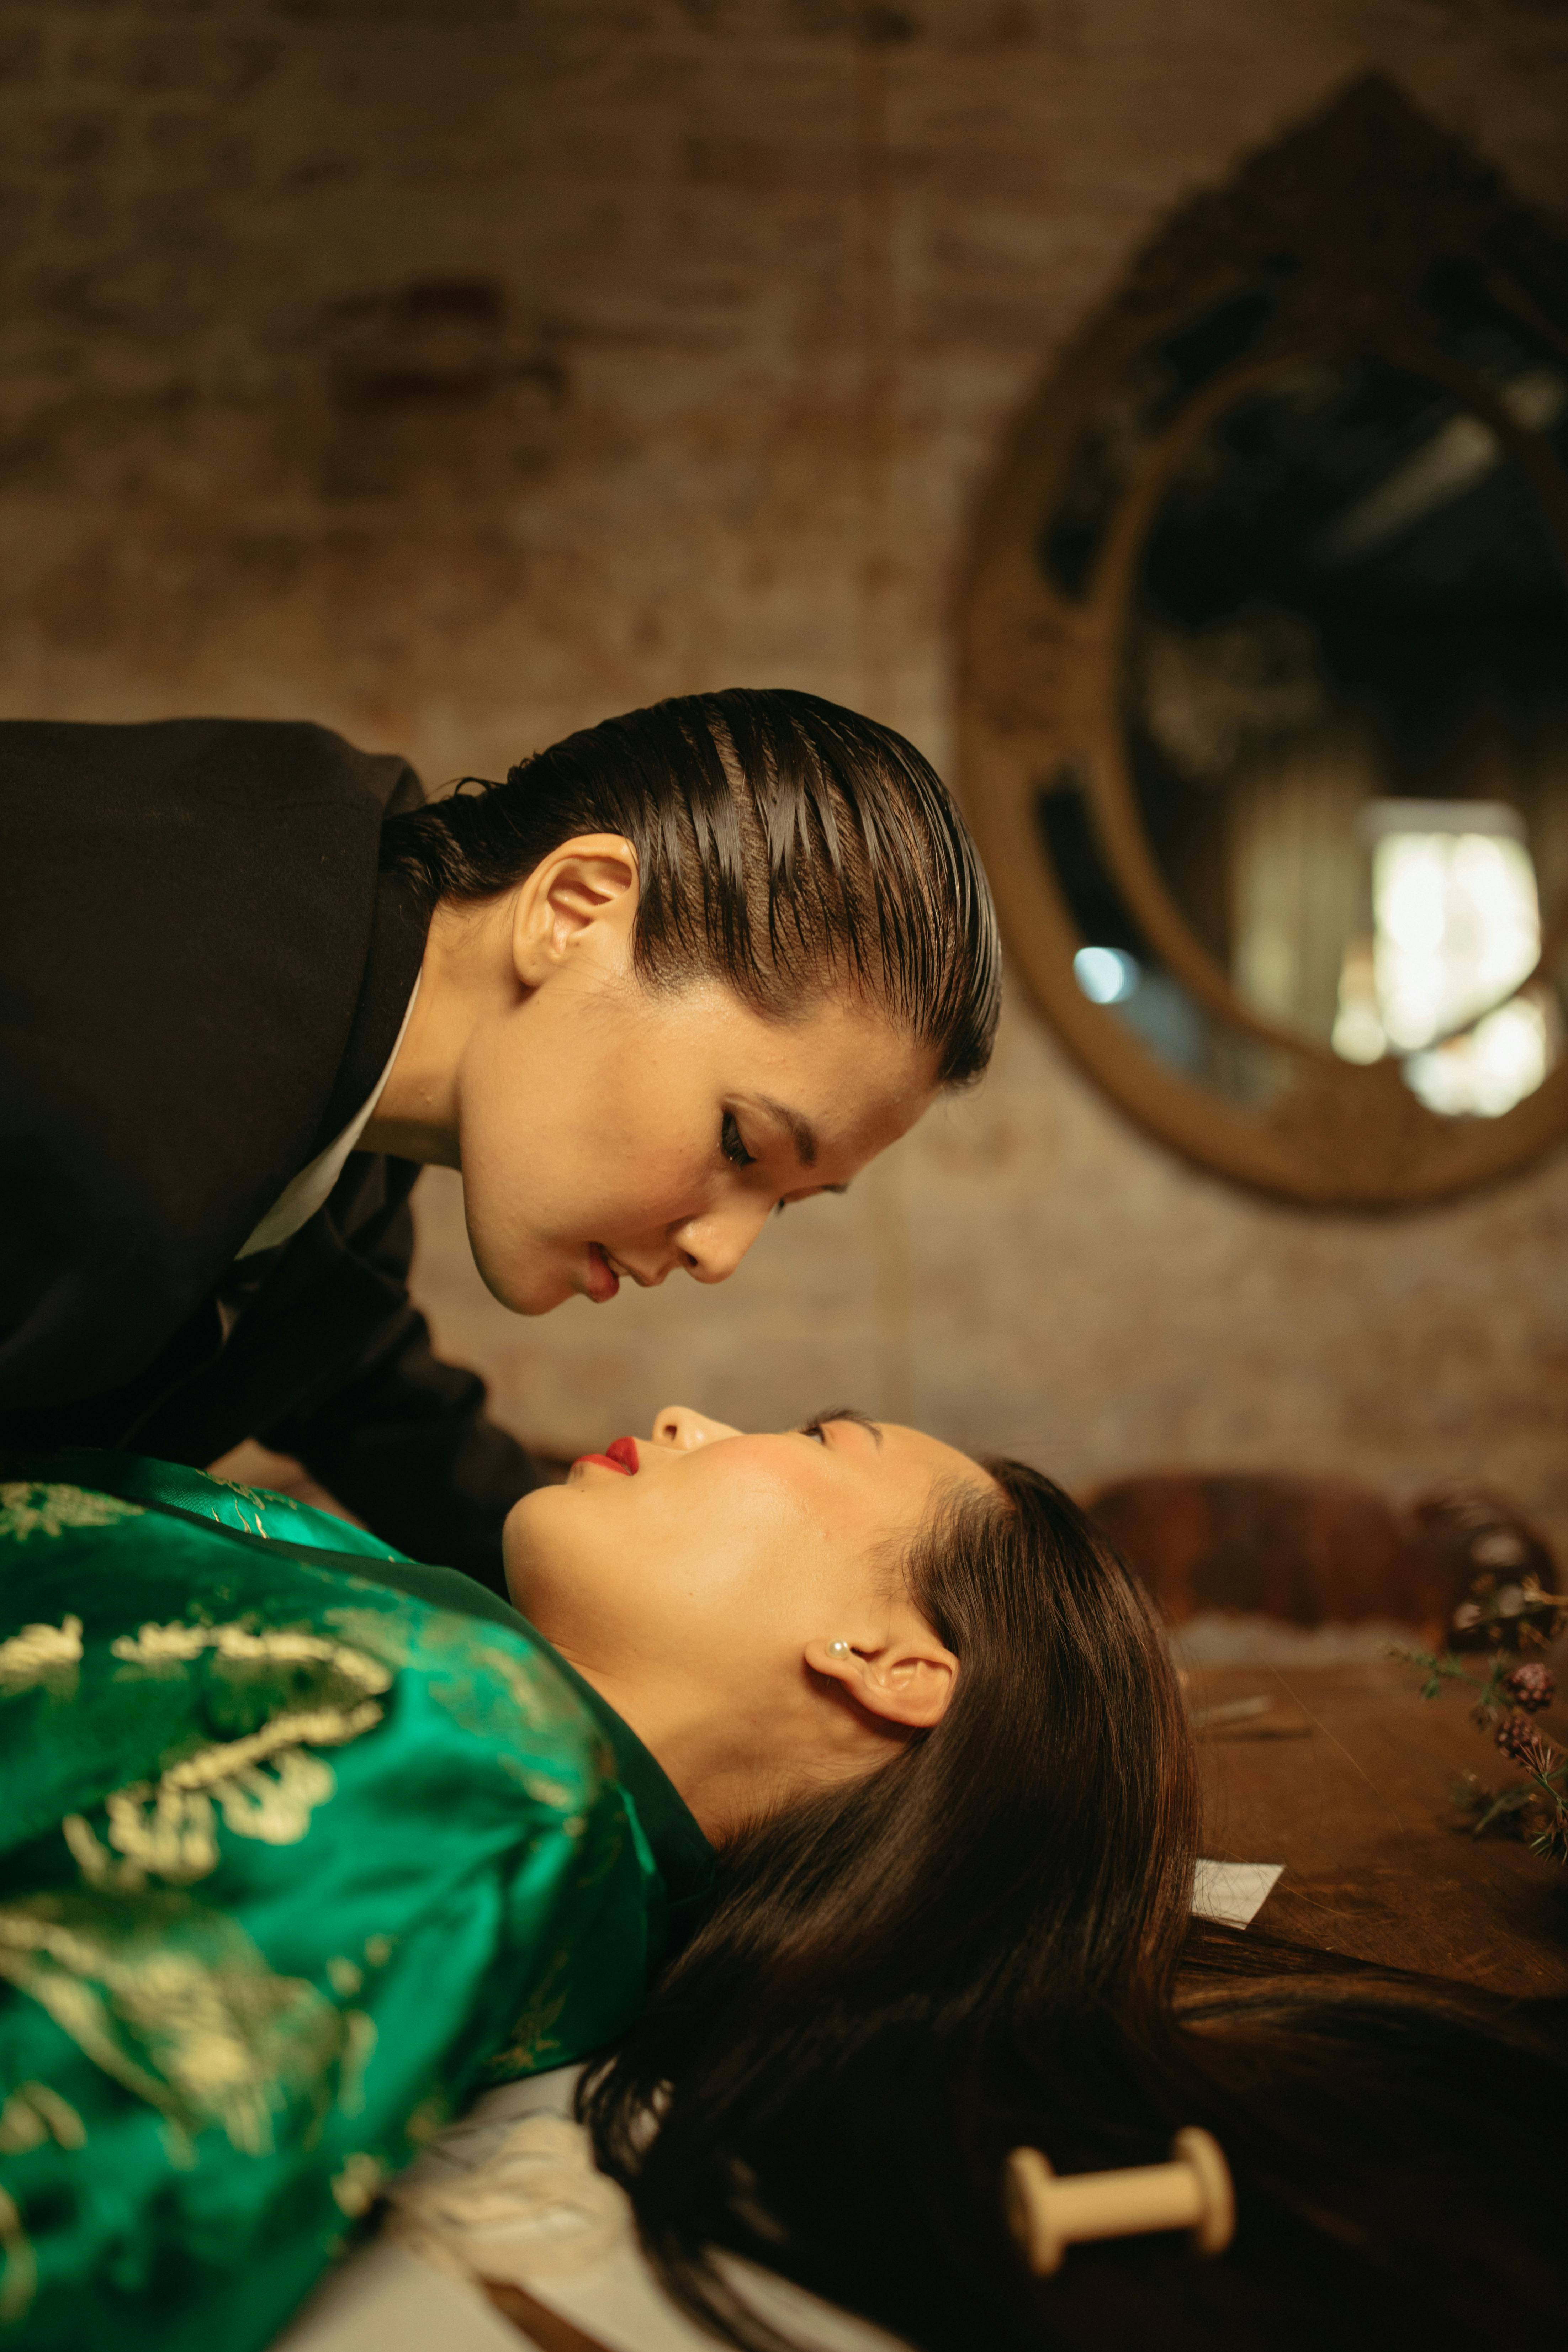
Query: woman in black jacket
{"x":685,"y":965}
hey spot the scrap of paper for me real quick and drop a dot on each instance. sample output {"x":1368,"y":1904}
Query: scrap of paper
{"x":1233,"y":1891}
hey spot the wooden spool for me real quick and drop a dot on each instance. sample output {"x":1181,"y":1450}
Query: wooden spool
{"x":1191,"y":2192}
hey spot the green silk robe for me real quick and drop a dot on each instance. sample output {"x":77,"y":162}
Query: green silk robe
{"x":303,"y":1846}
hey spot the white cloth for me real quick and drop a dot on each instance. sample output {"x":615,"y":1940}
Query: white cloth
{"x":383,"y":2299}
{"x":300,"y":1200}
{"x":511,"y":2192}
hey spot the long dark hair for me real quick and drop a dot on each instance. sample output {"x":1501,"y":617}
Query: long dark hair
{"x":784,"y":844}
{"x":987,"y":1944}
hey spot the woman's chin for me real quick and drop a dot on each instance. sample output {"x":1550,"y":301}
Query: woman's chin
{"x":524,"y":1289}
{"x":527,"y":1280}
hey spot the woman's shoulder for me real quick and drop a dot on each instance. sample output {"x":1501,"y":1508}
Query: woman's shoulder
{"x":71,"y":1473}
{"x":292,"y":1864}
{"x":152,"y":1610}
{"x":182,"y":754}
{"x":147,"y":1572}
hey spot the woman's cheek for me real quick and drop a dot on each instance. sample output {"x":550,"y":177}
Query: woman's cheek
{"x":770,"y":1498}
{"x":655,"y":1178}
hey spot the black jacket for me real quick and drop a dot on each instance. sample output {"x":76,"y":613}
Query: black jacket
{"x":202,"y":977}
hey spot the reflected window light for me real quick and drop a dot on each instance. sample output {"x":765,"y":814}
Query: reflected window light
{"x":1106,"y":975}
{"x":1492,"y":1067}
{"x":1456,"y":929}
{"x":1359,"y":1034}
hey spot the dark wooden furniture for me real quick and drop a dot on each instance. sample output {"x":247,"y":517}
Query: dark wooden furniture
{"x":1308,"y":1551}
{"x":1348,"y":1782}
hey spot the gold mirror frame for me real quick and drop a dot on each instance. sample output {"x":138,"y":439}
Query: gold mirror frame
{"x":1350,"y":215}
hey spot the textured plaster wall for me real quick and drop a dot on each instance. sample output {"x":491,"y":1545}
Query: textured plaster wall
{"x":454,"y":372}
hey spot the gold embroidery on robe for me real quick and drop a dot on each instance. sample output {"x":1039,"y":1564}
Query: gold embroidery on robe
{"x":530,"y":1692}
{"x":29,"y":1508}
{"x":175,"y":2003}
{"x":354,"y":2188}
{"x":264,"y":1783}
{"x":158,"y":1646}
{"x":42,"y":1658}
{"x":534,"y":2044}
{"x":469,"y":1665}
{"x":33,"y":2114}
{"x":167,"y":1831}
{"x":259,"y":1501}
{"x":20,"y":2278}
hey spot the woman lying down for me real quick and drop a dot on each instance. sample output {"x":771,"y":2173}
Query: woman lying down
{"x":834,"y":1788}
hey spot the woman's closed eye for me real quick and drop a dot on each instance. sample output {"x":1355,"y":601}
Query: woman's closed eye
{"x":820,"y":1422}
{"x":731,"y":1143}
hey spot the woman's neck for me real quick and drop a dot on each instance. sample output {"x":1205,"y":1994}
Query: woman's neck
{"x":466,"y":961}
{"x":735,"y":1758}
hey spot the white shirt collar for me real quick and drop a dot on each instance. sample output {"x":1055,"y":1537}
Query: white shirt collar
{"x":300,"y":1200}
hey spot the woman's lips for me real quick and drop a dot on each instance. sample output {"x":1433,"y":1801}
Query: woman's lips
{"x":602,"y":1280}
{"x":622,"y":1455}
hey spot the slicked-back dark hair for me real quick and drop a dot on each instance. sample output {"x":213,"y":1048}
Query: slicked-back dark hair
{"x":784,"y":844}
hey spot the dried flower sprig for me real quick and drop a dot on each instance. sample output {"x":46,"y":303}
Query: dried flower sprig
{"x":1489,"y":1808}
{"x":1505,"y":1685}
{"x":1510,"y":1693}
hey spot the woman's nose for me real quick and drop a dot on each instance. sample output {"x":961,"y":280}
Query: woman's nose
{"x":677,"y":1425}
{"x":712,"y":1246}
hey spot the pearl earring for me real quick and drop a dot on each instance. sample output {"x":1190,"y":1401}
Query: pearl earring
{"x":838,"y":1649}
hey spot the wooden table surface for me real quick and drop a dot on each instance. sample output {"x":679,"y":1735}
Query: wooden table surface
{"x":1347,"y":1780}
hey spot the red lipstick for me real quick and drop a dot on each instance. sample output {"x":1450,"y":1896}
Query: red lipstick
{"x":621,"y":1454}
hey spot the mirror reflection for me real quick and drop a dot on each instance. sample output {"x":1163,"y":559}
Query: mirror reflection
{"x":1346,"y":705}
{"x":1122,"y":428}
{"x":1116,"y":967}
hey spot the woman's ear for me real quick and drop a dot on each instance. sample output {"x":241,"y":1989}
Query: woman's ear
{"x":909,"y":1680}
{"x":584,"y":894}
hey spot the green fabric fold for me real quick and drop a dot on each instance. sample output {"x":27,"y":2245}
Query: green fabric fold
{"x":305,"y":1844}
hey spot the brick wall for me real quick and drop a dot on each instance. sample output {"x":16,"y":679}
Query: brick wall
{"x":455,"y":372}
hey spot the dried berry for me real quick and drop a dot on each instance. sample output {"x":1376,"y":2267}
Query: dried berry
{"x":1530,"y":1687}
{"x":1518,"y":1737}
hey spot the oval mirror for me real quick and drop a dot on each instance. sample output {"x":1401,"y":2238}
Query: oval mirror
{"x":1266,"y":681}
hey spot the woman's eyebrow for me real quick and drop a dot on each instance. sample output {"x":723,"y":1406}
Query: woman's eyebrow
{"x":802,"y":1134}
